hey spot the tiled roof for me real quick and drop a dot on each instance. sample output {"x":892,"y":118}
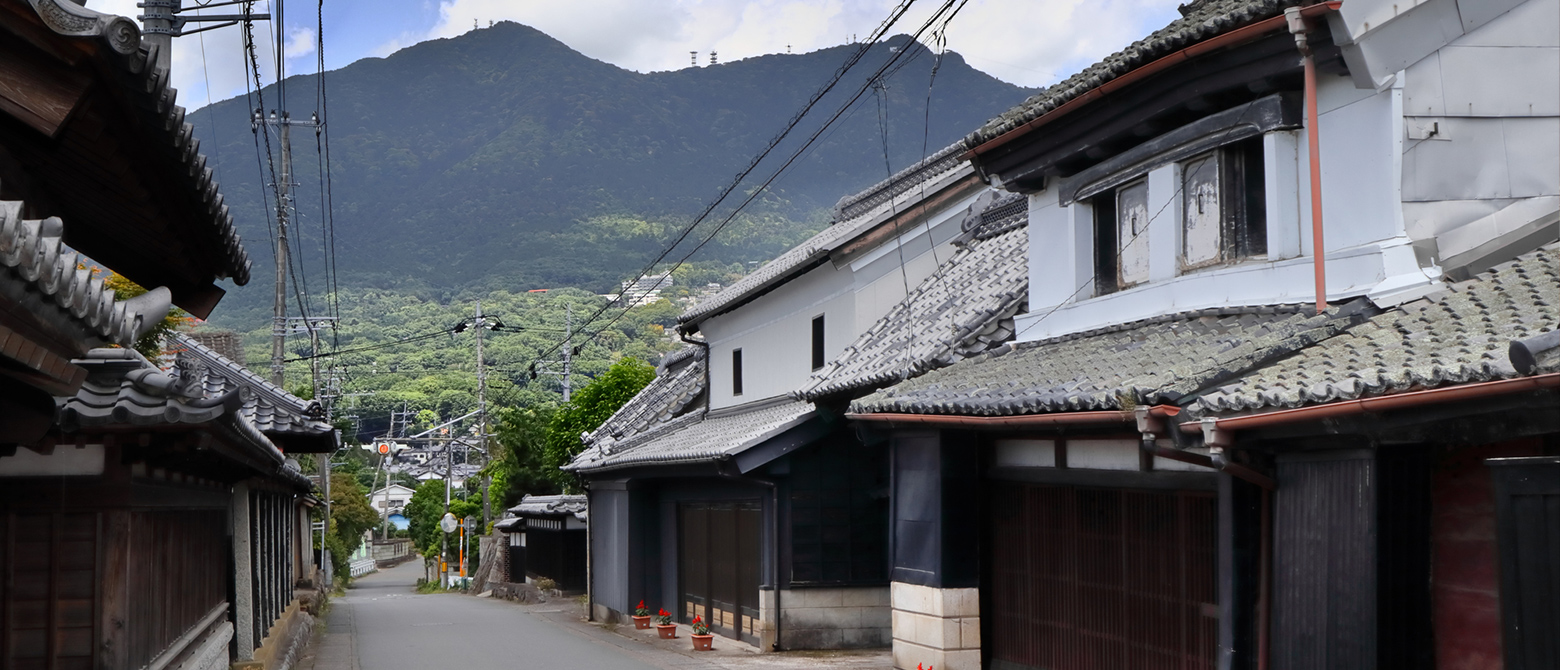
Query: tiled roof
{"x":38,"y":271}
{"x":1456,"y":336}
{"x":1153,"y":361}
{"x":852,"y":206}
{"x":678,"y":385}
{"x":964,"y":308}
{"x":1200,"y":20}
{"x":696,"y":437}
{"x":123,"y":389}
{"x":546,"y":505}
{"x":273,"y":410}
{"x":148,"y":89}
{"x":876,"y":205}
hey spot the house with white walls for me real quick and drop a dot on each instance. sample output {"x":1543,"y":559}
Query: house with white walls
{"x":718,"y":493}
{"x":1287,"y":366}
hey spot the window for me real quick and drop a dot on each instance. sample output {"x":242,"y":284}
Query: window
{"x":817,"y":342}
{"x":1223,"y":208}
{"x":1121,"y":237}
{"x":736,"y":372}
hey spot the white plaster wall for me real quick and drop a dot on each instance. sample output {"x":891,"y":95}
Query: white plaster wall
{"x":774,"y":331}
{"x":1482,"y":120}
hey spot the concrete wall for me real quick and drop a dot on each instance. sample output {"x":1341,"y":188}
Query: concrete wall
{"x":828,"y":618}
{"x":936,"y":627}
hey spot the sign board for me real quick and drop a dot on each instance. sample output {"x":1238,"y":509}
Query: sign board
{"x":448,"y":523}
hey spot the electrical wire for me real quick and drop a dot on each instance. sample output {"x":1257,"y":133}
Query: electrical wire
{"x":765,"y":186}
{"x":774,"y":143}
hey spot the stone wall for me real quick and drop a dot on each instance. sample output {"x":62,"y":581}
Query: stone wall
{"x":827,"y":618}
{"x":936,"y":627}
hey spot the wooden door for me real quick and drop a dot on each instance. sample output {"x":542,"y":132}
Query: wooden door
{"x":718,"y":550}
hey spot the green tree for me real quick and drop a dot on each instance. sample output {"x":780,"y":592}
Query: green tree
{"x":522,"y":436}
{"x":423,"y":512}
{"x":587,"y":410}
{"x":350,"y":516}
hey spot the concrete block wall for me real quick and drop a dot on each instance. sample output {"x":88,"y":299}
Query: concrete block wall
{"x":936,"y":627}
{"x":828,"y":618}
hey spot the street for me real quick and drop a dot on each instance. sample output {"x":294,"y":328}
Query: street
{"x":383,"y":624}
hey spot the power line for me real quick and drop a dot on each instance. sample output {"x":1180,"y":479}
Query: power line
{"x":765,"y":186}
{"x":731,"y":187}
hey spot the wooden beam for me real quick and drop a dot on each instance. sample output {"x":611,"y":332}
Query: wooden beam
{"x":38,"y":91}
{"x":114,"y":580}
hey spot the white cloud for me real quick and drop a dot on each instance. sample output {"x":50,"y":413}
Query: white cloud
{"x":300,"y":43}
{"x":1029,"y":42}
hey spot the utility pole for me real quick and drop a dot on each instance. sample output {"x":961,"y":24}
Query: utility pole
{"x":487,"y":480}
{"x":163,"y":21}
{"x":568,"y":348}
{"x":284,"y":186}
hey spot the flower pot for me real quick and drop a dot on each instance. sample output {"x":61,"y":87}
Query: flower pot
{"x":703,"y":642}
{"x":641,"y":622}
{"x":668,"y":631}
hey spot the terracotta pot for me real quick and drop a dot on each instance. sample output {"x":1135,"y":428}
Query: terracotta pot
{"x":703,"y":642}
{"x":668,"y":631}
{"x":641,"y":622}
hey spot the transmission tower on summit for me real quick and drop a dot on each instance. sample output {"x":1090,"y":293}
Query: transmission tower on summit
{"x":693,"y":58}
{"x":712,"y":58}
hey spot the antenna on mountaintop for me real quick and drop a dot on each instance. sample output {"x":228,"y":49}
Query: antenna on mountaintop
{"x":712,"y":58}
{"x":788,"y":48}
{"x":693,"y":58}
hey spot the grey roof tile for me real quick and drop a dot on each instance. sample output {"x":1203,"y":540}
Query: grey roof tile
{"x":148,"y":89}
{"x":1200,"y":20}
{"x":873,"y":207}
{"x":272,"y":409}
{"x":40,"y":273}
{"x":1459,"y":335}
{"x":677,"y":389}
{"x":964,"y":308}
{"x":697,"y":437}
{"x":1146,"y":362}
{"x":572,"y":505}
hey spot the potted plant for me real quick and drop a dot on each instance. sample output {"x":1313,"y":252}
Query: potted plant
{"x":664,"y":625}
{"x":641,"y":616}
{"x":702,"y":640}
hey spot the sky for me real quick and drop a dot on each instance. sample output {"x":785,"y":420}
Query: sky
{"x":1026,"y":42}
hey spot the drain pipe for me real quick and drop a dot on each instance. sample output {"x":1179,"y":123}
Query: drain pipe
{"x":1313,"y":131}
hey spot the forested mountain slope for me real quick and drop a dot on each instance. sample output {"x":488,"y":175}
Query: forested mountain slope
{"x":502,"y":159}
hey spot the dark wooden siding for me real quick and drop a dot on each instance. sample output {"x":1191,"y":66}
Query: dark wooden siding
{"x":171,"y":570}
{"x":555,"y":553}
{"x":839,"y":516}
{"x":271,"y":529}
{"x":1324,"y":564}
{"x":1086,"y":579}
{"x":1527,"y":505}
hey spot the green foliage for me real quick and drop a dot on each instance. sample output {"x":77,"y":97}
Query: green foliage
{"x":350,"y":516}
{"x":150,"y":344}
{"x":522,"y":438}
{"x":588,"y":409}
{"x":503,"y":159}
{"x":423,"y":512}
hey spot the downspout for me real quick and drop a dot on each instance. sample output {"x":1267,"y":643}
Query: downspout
{"x":1313,"y":131}
{"x":704,"y":344}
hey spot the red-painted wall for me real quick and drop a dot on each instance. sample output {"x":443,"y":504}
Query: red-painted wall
{"x":1465,"y":590}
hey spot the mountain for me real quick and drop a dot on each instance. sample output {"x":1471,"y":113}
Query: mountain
{"x":504,"y":159}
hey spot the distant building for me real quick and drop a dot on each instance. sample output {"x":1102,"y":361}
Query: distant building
{"x":642,"y":291}
{"x":390,"y":499}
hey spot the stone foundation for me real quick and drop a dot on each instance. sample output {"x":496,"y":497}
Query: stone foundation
{"x":936,"y":627}
{"x":827,"y":618}
{"x":286,"y":638}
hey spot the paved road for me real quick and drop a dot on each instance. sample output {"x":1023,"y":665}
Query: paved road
{"x":397,"y":629}
{"x":382,"y":624}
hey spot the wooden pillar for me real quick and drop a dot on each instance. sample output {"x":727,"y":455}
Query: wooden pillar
{"x":114,"y":652}
{"x":243,"y":576}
